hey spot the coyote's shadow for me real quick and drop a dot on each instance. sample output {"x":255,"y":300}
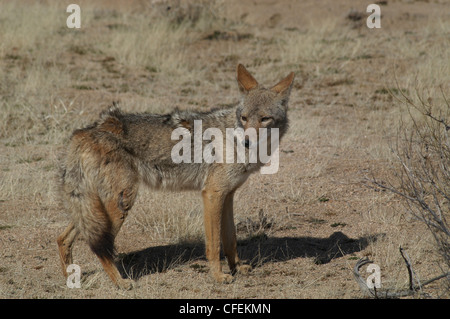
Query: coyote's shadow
{"x":257,"y":251}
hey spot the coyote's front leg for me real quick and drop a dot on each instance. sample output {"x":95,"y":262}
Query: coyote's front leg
{"x":213,"y":205}
{"x":229,"y":242}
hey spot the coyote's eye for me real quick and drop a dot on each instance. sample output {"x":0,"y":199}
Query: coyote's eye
{"x":244,"y":118}
{"x":265,"y":119}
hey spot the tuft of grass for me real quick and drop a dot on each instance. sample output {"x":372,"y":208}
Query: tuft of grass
{"x":159,"y":40}
{"x":320,"y":43}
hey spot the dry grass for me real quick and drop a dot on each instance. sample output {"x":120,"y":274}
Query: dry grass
{"x":168,"y":225}
{"x":304,"y":227}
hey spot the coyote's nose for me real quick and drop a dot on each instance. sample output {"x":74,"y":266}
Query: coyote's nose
{"x":247,"y":142}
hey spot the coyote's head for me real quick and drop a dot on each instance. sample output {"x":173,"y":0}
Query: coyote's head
{"x":262,"y":107}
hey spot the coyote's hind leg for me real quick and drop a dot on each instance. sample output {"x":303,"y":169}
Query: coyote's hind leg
{"x":65,"y":244}
{"x":109,"y":219}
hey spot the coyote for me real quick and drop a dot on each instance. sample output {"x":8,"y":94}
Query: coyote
{"x":108,"y":160}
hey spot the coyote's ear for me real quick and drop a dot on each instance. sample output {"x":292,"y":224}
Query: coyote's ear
{"x":285,"y":84}
{"x":283,"y":88}
{"x":245,"y":80}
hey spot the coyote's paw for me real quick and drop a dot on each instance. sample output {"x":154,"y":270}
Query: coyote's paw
{"x":223,"y":278}
{"x":244,"y":269}
{"x":125,"y":284}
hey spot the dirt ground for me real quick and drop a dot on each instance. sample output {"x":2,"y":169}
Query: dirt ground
{"x":304,"y":228}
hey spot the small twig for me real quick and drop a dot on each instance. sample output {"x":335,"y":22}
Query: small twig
{"x":447,"y":274}
{"x":409,"y":267}
{"x":361,"y":282}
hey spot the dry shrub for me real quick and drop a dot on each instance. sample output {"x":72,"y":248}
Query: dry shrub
{"x":422,"y":174}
